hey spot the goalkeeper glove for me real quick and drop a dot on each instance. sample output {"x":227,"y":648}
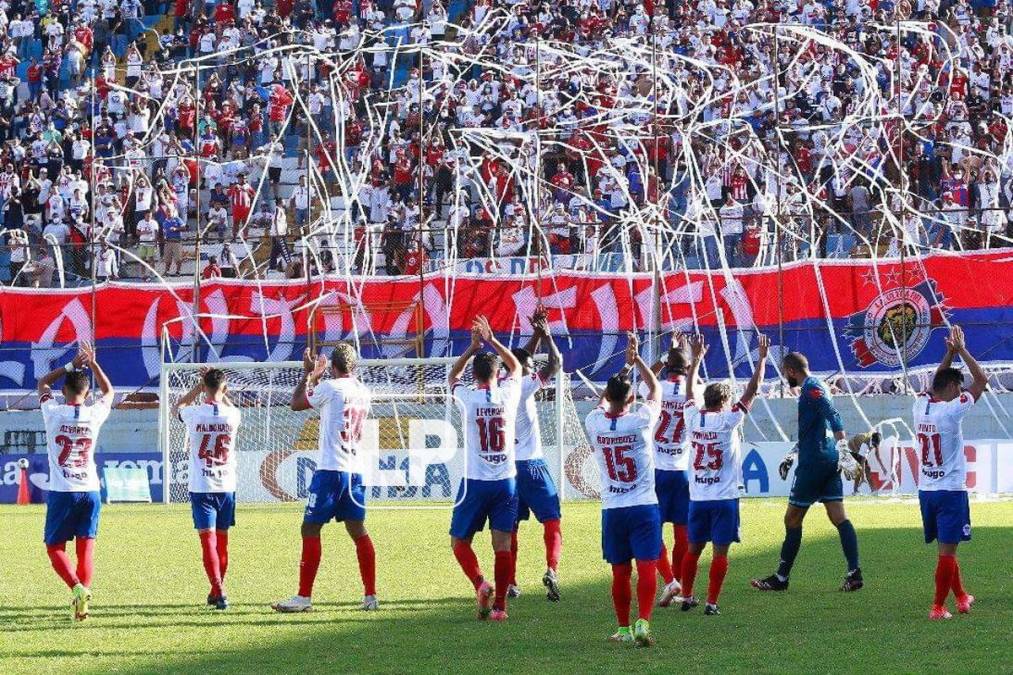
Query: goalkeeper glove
{"x":845,"y":462}
{"x":785,"y":466}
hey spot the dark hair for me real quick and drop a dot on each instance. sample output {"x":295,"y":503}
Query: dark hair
{"x":876,"y":438}
{"x":717,"y":394}
{"x":678,"y":360}
{"x":344,"y":358}
{"x":484,"y":366}
{"x":522,"y":354}
{"x":795,"y":361}
{"x":76,"y":383}
{"x":945,"y":377}
{"x":617,"y":390}
{"x":214,"y":379}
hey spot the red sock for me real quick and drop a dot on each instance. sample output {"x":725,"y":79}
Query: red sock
{"x":222,"y":541}
{"x":502,"y":571}
{"x":719,"y":567}
{"x":367,"y":563}
{"x":679,"y":549}
{"x":621,"y":593}
{"x":647,"y":588}
{"x":209,"y":552}
{"x":61,"y":563}
{"x":85,"y":551}
{"x":553,"y":543}
{"x":957,"y":584}
{"x":664,"y":567}
{"x":308,"y":565}
{"x":468,"y":562}
{"x":689,"y":563}
{"x":513,"y":556}
{"x":944,"y":577}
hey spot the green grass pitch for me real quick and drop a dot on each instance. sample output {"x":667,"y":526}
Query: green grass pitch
{"x":149,"y":589}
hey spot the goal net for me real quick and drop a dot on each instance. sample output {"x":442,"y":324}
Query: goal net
{"x":413,"y":436}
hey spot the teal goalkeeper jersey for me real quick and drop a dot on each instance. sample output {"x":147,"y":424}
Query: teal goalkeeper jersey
{"x":816,"y":416}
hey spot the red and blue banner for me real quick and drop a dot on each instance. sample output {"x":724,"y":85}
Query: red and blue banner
{"x":846,"y":316}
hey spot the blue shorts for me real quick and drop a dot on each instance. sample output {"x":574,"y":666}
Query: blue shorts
{"x":481,"y":500}
{"x":715,"y":520}
{"x":630,"y":532}
{"x":335,"y":495}
{"x":946,"y":515}
{"x":213,"y":510}
{"x":536,"y":491}
{"x":672,"y":488}
{"x":821,"y":483}
{"x":71,"y":514}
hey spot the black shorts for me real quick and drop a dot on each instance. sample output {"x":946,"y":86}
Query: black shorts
{"x":274,"y":173}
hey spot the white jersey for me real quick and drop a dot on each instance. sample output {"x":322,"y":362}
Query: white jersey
{"x":940,"y":441}
{"x":343,"y":404}
{"x":716,"y":462}
{"x":670,"y":438}
{"x":489,"y":415}
{"x":529,"y":441}
{"x":211,"y":431}
{"x":71,"y":437}
{"x":623,"y":447}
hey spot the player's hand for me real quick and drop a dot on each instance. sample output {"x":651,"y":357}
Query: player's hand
{"x":764,"y":346}
{"x":484,"y":329}
{"x":698,"y":347}
{"x":540,"y":324}
{"x":476,"y":338}
{"x":955,"y":342}
{"x":85,"y":356}
{"x":845,"y":462}
{"x":632,"y":348}
{"x":785,"y":466}
{"x":309,"y":361}
{"x":320,"y":366}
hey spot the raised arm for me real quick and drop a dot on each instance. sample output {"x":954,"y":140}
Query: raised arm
{"x":101,"y":379}
{"x":189,"y":397}
{"x":540,"y":326}
{"x":761,"y":365}
{"x":45,"y":385}
{"x":698,"y":349}
{"x":646,"y":374}
{"x":462,"y":360}
{"x":951,"y":350}
{"x":555,"y":358}
{"x":510,"y":362}
{"x":979,"y":381}
{"x":313,"y":369}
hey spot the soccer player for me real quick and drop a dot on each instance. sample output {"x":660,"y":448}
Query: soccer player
{"x":860,"y":445}
{"x":73,"y":500}
{"x":671,"y":461}
{"x":717,"y":473}
{"x":489,"y":487}
{"x":942,"y":490}
{"x":818,"y":475}
{"x":336,"y":490}
{"x":621,"y":431}
{"x":536,"y":491}
{"x":212,"y":427}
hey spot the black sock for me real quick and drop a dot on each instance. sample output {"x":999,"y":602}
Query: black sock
{"x":849,"y":542}
{"x":789,"y":550}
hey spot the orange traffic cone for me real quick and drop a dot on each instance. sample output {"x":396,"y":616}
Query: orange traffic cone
{"x":23,"y":496}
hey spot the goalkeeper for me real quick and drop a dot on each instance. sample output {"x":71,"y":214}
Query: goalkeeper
{"x":821,"y":460}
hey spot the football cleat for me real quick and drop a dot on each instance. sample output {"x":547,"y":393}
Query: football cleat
{"x":483,"y":597}
{"x":551,"y":583}
{"x":212,"y":600}
{"x":939,"y":612}
{"x":370,"y":603}
{"x":771,"y":583}
{"x":513,"y":591}
{"x":853,"y":580}
{"x":498,"y":615}
{"x":623,"y":635}
{"x":711,"y":610}
{"x":688,"y":603}
{"x":80,"y":598}
{"x":221,"y":603}
{"x":670,"y":593}
{"x":642,"y":633}
{"x":296,"y":603}
{"x":964,"y":603}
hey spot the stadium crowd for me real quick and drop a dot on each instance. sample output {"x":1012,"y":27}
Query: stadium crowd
{"x":101,"y":133}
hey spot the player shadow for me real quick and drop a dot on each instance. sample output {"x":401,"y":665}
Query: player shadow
{"x":762,"y":632}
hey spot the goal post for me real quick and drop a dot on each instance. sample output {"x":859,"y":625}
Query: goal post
{"x":412,"y":410}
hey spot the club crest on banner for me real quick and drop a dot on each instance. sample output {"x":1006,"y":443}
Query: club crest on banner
{"x":897,"y":321}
